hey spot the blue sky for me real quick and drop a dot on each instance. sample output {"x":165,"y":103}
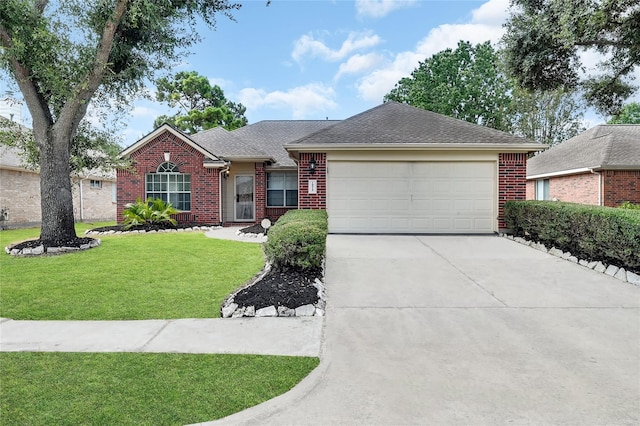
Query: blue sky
{"x":317,"y":59}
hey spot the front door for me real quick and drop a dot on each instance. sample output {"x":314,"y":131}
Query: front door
{"x":244,"y":207}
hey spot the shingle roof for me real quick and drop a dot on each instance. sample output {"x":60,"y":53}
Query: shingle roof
{"x":402,"y":124}
{"x":270,"y":136}
{"x":227,"y":145}
{"x":606,"y":146}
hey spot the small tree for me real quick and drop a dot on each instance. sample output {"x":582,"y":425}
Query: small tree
{"x":629,"y":114}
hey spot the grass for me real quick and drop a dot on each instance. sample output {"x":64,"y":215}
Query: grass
{"x":129,"y":277}
{"x":139,"y":389}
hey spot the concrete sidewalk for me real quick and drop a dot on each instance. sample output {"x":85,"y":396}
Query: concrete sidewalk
{"x":261,"y":336}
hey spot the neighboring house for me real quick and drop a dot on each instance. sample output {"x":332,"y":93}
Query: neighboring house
{"x":391,"y":169}
{"x":94,"y":194}
{"x":600,"y":167}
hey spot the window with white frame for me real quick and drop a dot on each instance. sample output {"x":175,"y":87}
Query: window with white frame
{"x":542,"y":189}
{"x":170,"y":185}
{"x":282,"y":189}
{"x":95,"y":184}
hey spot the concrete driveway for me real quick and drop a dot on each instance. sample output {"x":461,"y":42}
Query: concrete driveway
{"x":466,"y":330}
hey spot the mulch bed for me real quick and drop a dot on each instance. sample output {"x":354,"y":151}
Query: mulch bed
{"x":289,"y":287}
{"x":254,"y":229}
{"x":61,"y":242}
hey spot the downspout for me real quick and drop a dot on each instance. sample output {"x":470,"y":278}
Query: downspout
{"x":81,"y":203}
{"x":599,"y":185}
{"x":220,"y":178}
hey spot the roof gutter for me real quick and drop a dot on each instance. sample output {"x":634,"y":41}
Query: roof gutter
{"x":414,"y":146}
{"x":564,"y":172}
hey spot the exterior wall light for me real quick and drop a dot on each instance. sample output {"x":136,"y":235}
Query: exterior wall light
{"x":312,"y":165}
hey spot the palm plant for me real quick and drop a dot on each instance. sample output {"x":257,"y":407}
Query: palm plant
{"x":149,"y":211}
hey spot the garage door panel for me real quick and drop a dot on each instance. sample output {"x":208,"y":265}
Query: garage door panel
{"x":406,"y":197}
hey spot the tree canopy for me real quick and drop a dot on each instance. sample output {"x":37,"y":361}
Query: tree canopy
{"x":469,"y":83}
{"x":629,"y":114}
{"x":464,"y":83}
{"x":202,"y":106}
{"x":67,"y":56}
{"x":543,"y":40}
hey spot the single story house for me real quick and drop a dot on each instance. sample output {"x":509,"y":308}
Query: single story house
{"x":392,"y":169}
{"x":94,"y":193}
{"x":600,"y":166}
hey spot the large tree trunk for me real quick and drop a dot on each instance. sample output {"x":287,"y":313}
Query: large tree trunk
{"x":55,"y":189}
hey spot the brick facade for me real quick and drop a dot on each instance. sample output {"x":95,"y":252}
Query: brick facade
{"x":261,"y":192}
{"x":512,"y":184}
{"x":581,"y":188}
{"x":205,"y":187}
{"x":318,"y":200}
{"x":619,"y":186}
{"x":20,"y":195}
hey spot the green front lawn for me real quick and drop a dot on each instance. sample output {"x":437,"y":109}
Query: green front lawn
{"x":139,"y":389}
{"x":129,"y":277}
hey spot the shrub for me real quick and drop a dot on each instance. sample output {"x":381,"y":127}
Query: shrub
{"x":588,"y":232}
{"x":629,"y":205}
{"x":150,"y":211}
{"x":298,"y":240}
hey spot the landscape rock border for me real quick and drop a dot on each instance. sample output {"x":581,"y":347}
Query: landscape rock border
{"x":42,"y":250}
{"x":230,"y":309}
{"x":598,"y":266}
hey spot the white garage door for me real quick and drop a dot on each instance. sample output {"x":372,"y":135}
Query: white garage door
{"x":411,"y":197}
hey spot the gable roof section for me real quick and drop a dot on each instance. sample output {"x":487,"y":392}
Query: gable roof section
{"x":228,"y":146}
{"x":393,"y":125}
{"x":606,"y":146}
{"x":167,"y":128}
{"x":270,"y":136}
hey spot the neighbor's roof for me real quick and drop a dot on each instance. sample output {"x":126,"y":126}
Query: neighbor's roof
{"x":395,"y":125}
{"x":10,"y":158}
{"x":607,"y":146}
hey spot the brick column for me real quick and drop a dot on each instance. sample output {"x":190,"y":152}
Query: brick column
{"x":317,"y":201}
{"x":512,"y":181}
{"x":261,"y":191}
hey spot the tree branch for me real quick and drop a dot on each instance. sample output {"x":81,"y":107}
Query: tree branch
{"x":36,"y":102}
{"x":76,"y":108}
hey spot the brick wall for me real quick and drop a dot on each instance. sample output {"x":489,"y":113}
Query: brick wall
{"x":531,"y":190}
{"x":581,"y":188}
{"x":512,"y":184}
{"x":261,"y":191}
{"x":204,"y":181}
{"x":619,"y":186}
{"x":318,"y":200}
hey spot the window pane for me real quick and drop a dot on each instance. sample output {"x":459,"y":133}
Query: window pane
{"x":275,"y":198}
{"x":291,"y":181}
{"x":275,"y":181}
{"x":292,"y":198}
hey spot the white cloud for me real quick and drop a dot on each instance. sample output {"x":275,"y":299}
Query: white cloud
{"x":303,"y":101}
{"x":485,"y":24}
{"x":381,"y":8}
{"x":307,"y":45}
{"x":359,"y":63}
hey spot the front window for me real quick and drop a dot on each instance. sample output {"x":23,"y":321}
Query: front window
{"x":282,"y":189}
{"x":170,"y":185}
{"x":96,"y":184}
{"x":542,"y":189}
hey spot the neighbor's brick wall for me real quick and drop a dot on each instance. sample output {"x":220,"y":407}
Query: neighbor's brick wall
{"x":306,"y":200}
{"x":619,"y":186}
{"x":204,"y":181}
{"x":581,"y":188}
{"x":512,"y":184}
{"x":20,"y":194}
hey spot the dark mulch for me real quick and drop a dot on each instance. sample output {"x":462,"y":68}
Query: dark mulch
{"x":289,"y":287}
{"x":61,"y":242}
{"x":147,"y":227}
{"x":254,"y":229}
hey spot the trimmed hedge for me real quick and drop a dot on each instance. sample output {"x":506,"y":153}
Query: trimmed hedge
{"x":298,"y":240}
{"x":589,"y":232}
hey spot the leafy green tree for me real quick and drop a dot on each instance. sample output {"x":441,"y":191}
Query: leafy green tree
{"x":66,"y":56}
{"x":630,"y":114}
{"x":543,"y":39}
{"x":202,"y":106}
{"x":464,"y":83}
{"x":549,"y":117}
